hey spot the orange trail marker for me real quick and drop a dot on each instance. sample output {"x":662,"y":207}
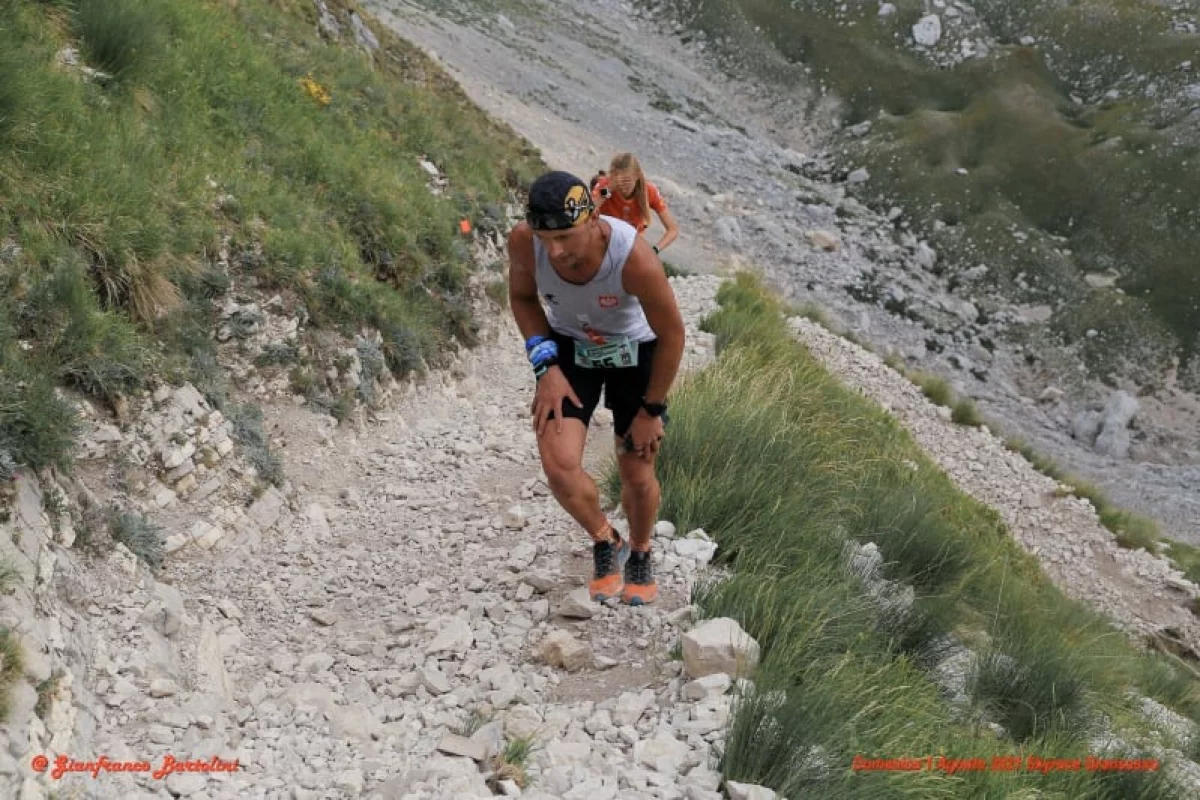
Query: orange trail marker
{"x":464,"y":226}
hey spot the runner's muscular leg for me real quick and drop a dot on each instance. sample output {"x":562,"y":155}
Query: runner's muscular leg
{"x":639,"y":485}
{"x":639,"y":495}
{"x":573,"y":488}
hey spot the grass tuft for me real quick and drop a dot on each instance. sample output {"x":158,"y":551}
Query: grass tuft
{"x":46,"y":691}
{"x":813,"y":312}
{"x":674,"y":271}
{"x":512,"y":762}
{"x":962,"y":409}
{"x":936,"y":389}
{"x":10,"y":576}
{"x":1133,"y":530}
{"x":473,"y":722}
{"x":101,"y":354}
{"x":118,"y":37}
{"x":964,"y":412}
{"x":1186,"y":557}
{"x":37,"y":427}
{"x":1041,"y":463}
{"x":497,"y":292}
{"x":248,"y":430}
{"x":1032,"y":687}
{"x":143,"y":538}
{"x":12,"y":665}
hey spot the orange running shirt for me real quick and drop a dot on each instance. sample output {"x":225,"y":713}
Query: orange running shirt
{"x":627,"y":209}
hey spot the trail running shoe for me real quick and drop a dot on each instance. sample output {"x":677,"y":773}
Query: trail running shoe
{"x":640,"y":587}
{"x":608,"y":561}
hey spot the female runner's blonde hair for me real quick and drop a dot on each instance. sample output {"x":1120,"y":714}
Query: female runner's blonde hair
{"x":627,"y":162}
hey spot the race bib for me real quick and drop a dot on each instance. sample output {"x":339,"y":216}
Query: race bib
{"x":622,"y":352}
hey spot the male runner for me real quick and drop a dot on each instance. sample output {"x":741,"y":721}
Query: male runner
{"x":610,"y":322}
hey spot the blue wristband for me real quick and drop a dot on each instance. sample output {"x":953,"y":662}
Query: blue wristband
{"x":534,"y":341}
{"x":543,"y":351}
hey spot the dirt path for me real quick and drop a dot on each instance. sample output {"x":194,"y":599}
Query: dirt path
{"x":405,"y":592}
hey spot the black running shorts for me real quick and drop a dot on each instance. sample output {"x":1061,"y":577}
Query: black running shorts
{"x":623,"y":387}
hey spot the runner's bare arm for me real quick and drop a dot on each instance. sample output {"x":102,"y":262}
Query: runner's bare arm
{"x":645,"y":280}
{"x":522,"y":288}
{"x":671,"y":228}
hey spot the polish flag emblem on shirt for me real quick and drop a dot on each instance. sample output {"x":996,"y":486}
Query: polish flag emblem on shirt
{"x":609,"y":301}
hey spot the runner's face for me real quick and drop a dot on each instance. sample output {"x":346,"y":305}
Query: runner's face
{"x":624,"y":181}
{"x":567,"y":249}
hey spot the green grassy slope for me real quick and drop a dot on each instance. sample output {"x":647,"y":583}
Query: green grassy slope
{"x":221,"y":128}
{"x":781,"y":464}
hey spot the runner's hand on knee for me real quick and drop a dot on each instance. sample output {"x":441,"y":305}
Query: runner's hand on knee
{"x":552,"y":389}
{"x":646,"y":433}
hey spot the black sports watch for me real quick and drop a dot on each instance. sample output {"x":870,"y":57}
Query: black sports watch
{"x":654,"y":409}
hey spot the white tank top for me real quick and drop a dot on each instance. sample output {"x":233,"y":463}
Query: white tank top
{"x":600,"y":308}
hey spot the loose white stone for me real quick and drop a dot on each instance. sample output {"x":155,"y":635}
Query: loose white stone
{"x":928,"y":30}
{"x":719,"y":645}
{"x":578,"y":604}
{"x":713,"y":685}
{"x":748,"y":791}
{"x":561,"y":649}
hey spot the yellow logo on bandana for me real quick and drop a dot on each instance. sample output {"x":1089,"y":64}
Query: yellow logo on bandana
{"x":578,"y":204}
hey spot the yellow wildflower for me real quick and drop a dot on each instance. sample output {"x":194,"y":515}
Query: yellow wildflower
{"x":315,"y":90}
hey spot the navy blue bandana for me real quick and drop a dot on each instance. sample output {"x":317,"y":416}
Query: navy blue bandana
{"x":557,"y":201}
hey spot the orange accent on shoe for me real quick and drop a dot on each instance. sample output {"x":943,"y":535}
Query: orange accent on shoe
{"x":639,"y":594}
{"x":602,"y":589}
{"x":610,"y":584}
{"x":640,"y":586}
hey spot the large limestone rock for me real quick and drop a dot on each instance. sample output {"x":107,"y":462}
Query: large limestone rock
{"x":1118,"y":412}
{"x":720,"y":645}
{"x":561,"y":649}
{"x":928,"y":30}
{"x":578,"y":604}
{"x":728,"y":232}
{"x":1107,"y":430}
